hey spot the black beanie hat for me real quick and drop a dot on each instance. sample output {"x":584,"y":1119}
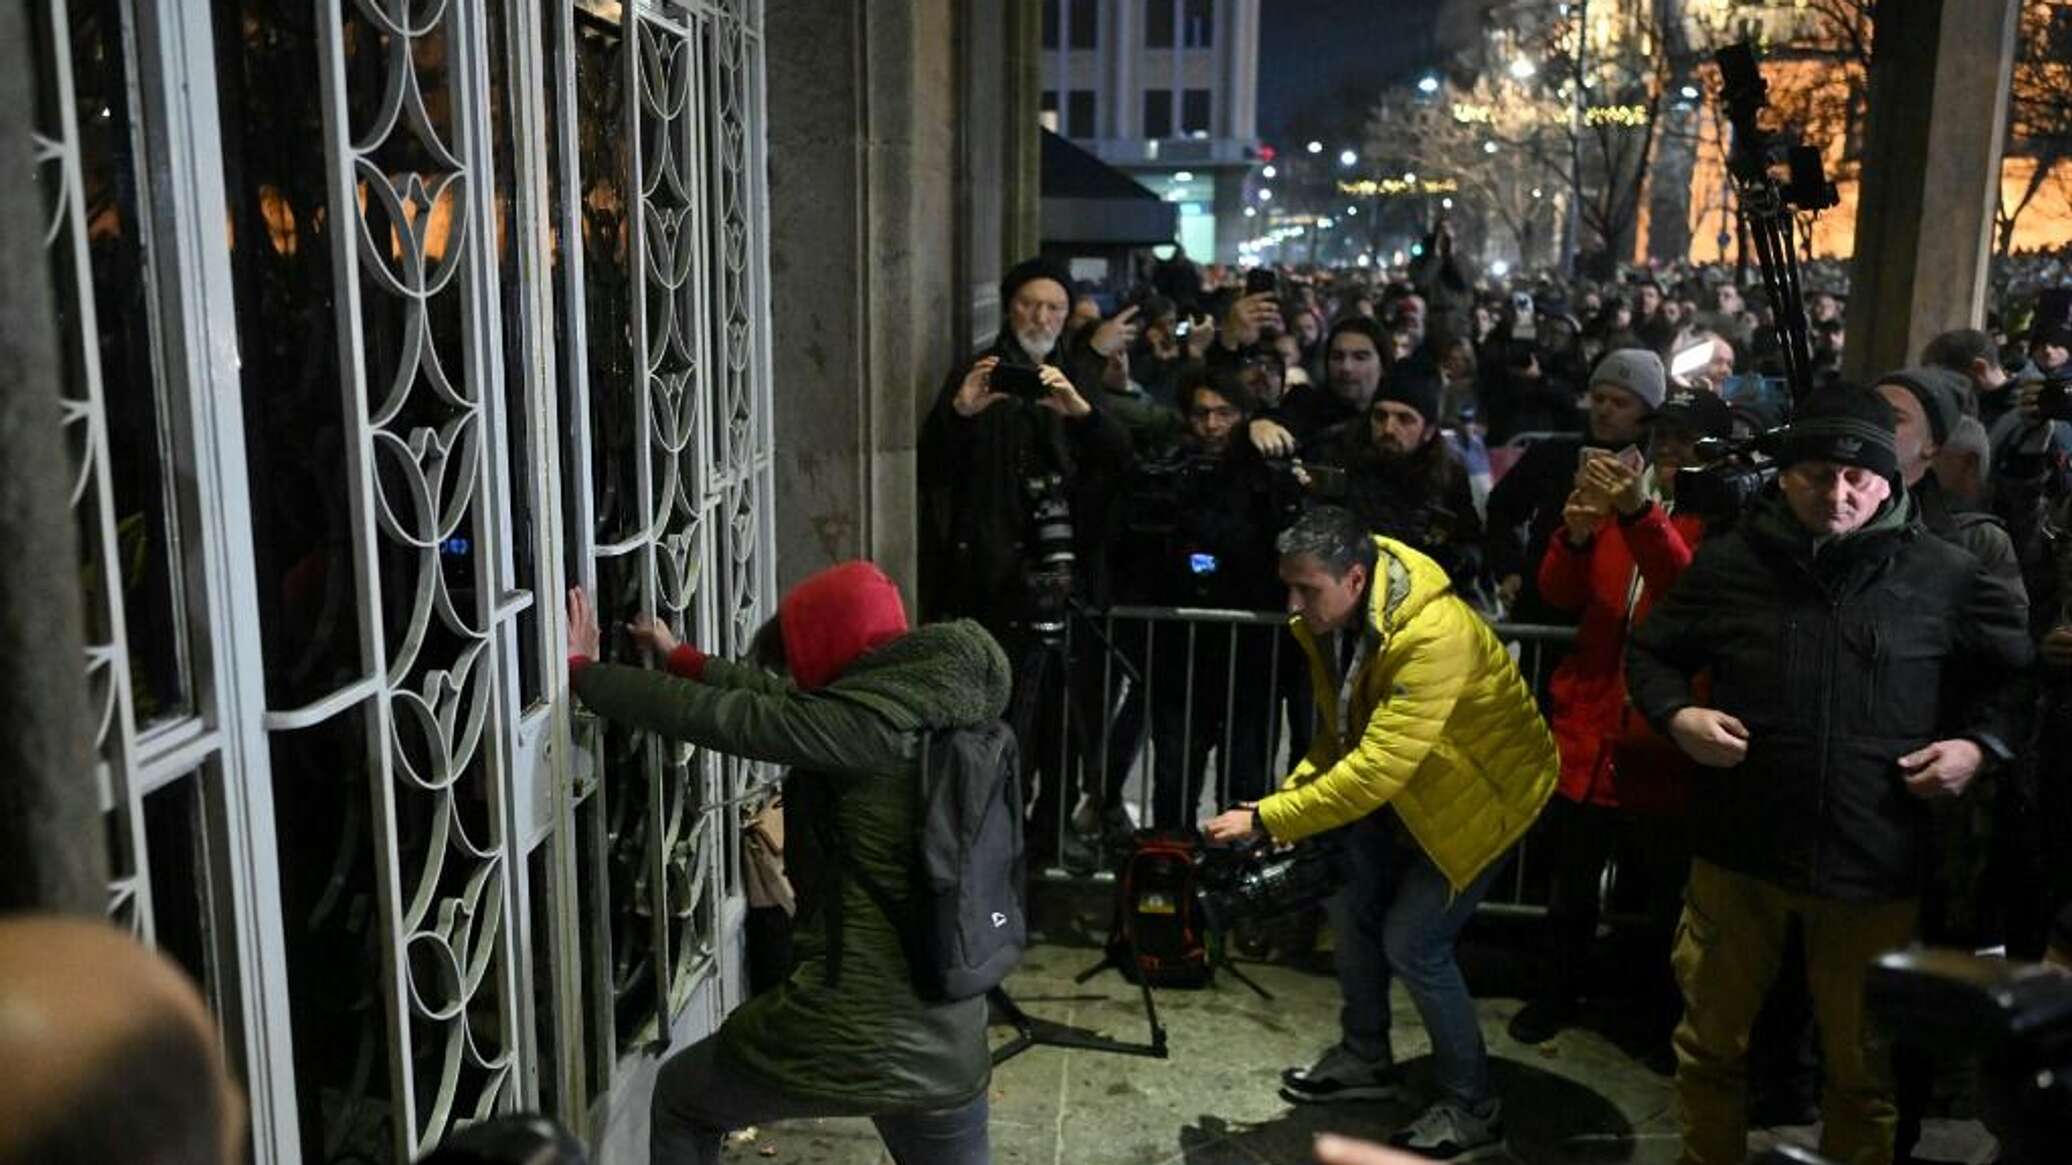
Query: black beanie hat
{"x":1414,"y":383}
{"x":1033,"y":269}
{"x":1941,"y":393}
{"x":1847,"y":426}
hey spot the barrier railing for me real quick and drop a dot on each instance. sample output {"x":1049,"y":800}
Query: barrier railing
{"x":1198,"y":710}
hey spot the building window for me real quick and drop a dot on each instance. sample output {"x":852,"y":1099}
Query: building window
{"x":1086,"y":23}
{"x":1079,"y":113}
{"x":1199,"y":23}
{"x":1158,"y":113}
{"x":1158,"y":24}
{"x":1047,"y":111}
{"x":1194,"y":111}
{"x":1050,"y":23}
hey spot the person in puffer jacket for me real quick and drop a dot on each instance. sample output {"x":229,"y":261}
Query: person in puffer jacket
{"x":857,"y":1039}
{"x":1623,"y":787}
{"x":1431,"y":761}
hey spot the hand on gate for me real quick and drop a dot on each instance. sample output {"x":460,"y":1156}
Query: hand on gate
{"x":1710,"y":737}
{"x":652,"y":634}
{"x":1943,"y":769}
{"x":585,"y":641}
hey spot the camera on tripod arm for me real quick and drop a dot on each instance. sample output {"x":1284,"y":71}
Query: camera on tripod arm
{"x":1051,"y":557}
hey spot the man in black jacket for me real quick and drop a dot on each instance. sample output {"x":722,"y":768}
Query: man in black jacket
{"x":1833,"y":627}
{"x":1016,"y":500}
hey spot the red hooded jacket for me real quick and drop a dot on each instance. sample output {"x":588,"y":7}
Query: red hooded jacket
{"x":1609,"y":755}
{"x":836,"y":615}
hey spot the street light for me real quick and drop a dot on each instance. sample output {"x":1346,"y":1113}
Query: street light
{"x":1352,"y":211}
{"x":1251,"y":212}
{"x":1347,"y":157}
{"x":1269,"y":172}
{"x":1690,"y":92}
{"x":1489,"y":147}
{"x":1522,"y":69}
{"x":1409,"y":176}
{"x":1316,"y":147}
{"x":1428,"y":85}
{"x":1265,"y":195}
{"x":1446,"y":204}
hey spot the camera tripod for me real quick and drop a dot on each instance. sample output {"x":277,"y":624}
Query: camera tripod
{"x":1044,"y":661}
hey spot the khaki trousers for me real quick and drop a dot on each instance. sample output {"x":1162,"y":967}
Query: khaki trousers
{"x":1728,"y":946}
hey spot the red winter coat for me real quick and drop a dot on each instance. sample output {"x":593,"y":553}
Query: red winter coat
{"x":1609,"y":755}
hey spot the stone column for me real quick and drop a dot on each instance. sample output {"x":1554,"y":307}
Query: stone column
{"x":53,"y":854}
{"x":1931,"y":175}
{"x":886,"y":203}
{"x":1021,"y":78}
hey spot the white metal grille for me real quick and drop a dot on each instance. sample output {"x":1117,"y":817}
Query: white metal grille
{"x":490,"y":290}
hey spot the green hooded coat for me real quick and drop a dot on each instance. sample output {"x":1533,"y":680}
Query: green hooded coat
{"x":865,"y":1042}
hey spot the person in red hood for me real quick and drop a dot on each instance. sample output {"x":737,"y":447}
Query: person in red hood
{"x":846,"y":1033}
{"x":1621,"y":546}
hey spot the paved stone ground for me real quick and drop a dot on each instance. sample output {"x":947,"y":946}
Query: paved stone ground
{"x":1583,"y":1097}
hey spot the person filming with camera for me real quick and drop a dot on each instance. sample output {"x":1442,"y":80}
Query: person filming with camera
{"x":1832,"y":625}
{"x":1430,"y":762}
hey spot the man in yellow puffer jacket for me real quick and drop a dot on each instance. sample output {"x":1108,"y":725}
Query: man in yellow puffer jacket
{"x":1424,"y":713}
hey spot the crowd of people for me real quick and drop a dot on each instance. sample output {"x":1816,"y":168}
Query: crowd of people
{"x":1820,"y":704}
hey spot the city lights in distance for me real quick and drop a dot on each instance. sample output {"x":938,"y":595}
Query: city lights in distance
{"x":1269,"y":172}
{"x":1251,"y":212}
{"x":1690,"y":92}
{"x":1365,"y":260}
{"x":1316,"y":147}
{"x":1265,"y":195}
{"x":1523,"y":69}
{"x":1409,"y":175}
{"x":1347,"y":157}
{"x":1446,"y":204}
{"x":1428,"y":85}
{"x":1499,"y":268}
{"x":1352,"y":212}
{"x":1538,"y":193}
{"x":1489,"y":147}
{"x":1629,"y":116}
{"x":1390,"y":187}
{"x":1184,"y":176}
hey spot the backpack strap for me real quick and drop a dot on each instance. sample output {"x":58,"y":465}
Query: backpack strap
{"x":844,"y":866}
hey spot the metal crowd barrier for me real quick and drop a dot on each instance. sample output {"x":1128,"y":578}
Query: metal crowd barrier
{"x":1222,"y":698}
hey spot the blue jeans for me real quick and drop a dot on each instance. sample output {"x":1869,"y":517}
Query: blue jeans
{"x":701,"y":1095}
{"x":1398,"y":916}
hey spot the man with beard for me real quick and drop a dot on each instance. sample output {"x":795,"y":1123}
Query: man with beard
{"x":1353,"y":355}
{"x":1525,"y":507}
{"x":1403,"y":479}
{"x":990,"y":464}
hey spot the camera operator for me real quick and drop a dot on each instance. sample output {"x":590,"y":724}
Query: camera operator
{"x":1621,"y":548}
{"x":1422,"y":713}
{"x":1525,"y":507}
{"x":1404,"y":480}
{"x":1198,"y":530}
{"x":847,"y":1033}
{"x":1834,"y":629}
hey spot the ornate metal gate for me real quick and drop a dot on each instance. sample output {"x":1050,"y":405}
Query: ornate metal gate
{"x":388,"y":320}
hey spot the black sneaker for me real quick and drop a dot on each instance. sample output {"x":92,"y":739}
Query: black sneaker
{"x":1339,"y":1075}
{"x":1451,"y":1132}
{"x":1542,"y":1020}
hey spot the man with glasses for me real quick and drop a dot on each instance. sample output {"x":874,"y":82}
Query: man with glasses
{"x":1833,"y":627}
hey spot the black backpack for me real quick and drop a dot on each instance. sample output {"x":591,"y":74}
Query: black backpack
{"x":965,"y":927}
{"x":1157,"y":936}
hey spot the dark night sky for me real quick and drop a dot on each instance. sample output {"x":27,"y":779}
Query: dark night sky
{"x":1322,"y":62}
